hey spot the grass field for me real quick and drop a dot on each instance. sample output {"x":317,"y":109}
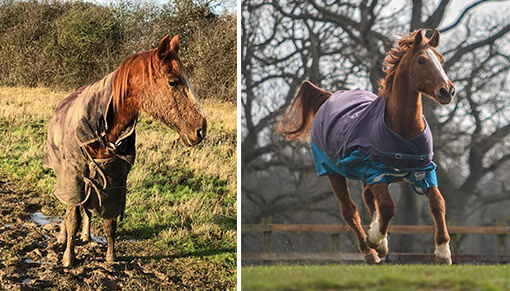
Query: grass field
{"x":181,"y":202}
{"x":380,"y":277}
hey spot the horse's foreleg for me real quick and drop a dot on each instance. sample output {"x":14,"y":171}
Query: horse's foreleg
{"x":368,"y":198}
{"x":384,"y":212}
{"x":351,"y":216}
{"x":438,"y":209}
{"x":85,"y":231}
{"x":110,"y":226}
{"x":72,"y":221}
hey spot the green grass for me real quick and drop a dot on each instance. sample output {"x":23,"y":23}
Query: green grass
{"x":181,"y":201}
{"x":379,"y":277}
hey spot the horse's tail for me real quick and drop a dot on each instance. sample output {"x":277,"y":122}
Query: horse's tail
{"x":297,"y":122}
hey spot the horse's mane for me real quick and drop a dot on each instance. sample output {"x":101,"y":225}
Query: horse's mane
{"x":141,"y":63}
{"x":392,"y":60}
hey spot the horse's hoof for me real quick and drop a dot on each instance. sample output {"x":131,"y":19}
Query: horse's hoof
{"x":372,"y":258}
{"x":68,"y":260}
{"x":382,"y":249}
{"x":443,"y":261}
{"x":85,"y":238}
{"x":61,"y":239}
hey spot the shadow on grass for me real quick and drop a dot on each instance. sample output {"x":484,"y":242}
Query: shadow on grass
{"x":192,"y":254}
{"x":147,"y":232}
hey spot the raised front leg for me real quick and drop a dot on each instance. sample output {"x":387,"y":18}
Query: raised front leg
{"x":110,"y":226}
{"x":438,"y":209}
{"x":72,"y":221}
{"x":85,"y":231}
{"x":382,"y":212}
{"x":351,"y":216}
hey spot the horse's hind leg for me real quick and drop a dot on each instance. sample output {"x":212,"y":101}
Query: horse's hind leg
{"x":382,"y":209}
{"x":351,"y":216}
{"x":72,"y":221}
{"x":62,"y":235}
{"x":110,"y":226}
{"x":85,"y":231}
{"x":438,"y":209}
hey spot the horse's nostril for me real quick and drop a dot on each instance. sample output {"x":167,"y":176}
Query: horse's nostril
{"x":443,"y":91}
{"x":452,"y":91}
{"x":200,"y":133}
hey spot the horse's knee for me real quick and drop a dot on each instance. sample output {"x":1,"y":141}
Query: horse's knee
{"x":437,"y":203}
{"x":110,"y":226}
{"x":349,"y":210}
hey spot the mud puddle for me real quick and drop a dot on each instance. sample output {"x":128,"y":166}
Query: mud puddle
{"x":40,"y":219}
{"x":30,"y":257}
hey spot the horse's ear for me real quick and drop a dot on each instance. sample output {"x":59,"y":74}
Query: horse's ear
{"x":174,"y":44}
{"x":163,"y":47}
{"x":434,"y":40}
{"x":418,"y":38}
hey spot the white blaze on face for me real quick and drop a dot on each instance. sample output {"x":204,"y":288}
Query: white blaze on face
{"x":191,"y":94}
{"x":437,"y":64}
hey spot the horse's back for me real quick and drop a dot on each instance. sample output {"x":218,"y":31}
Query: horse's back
{"x":336,"y":117}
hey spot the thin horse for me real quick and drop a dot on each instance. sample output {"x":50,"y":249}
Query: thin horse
{"x":91,"y":138}
{"x":378,"y":139}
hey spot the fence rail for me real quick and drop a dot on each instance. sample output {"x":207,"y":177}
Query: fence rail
{"x":267,"y":229}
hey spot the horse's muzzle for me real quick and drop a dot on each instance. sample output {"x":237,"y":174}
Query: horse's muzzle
{"x":195,"y":136}
{"x":445,"y":96}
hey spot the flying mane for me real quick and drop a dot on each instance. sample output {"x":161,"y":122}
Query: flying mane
{"x":392,"y":60}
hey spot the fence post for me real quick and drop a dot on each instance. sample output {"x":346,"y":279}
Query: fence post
{"x":335,"y":242}
{"x":501,"y":239}
{"x":267,"y":237}
{"x":502,"y":244}
{"x":454,"y":243}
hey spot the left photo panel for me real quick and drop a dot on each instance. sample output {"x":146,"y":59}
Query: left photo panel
{"x":118,"y":134}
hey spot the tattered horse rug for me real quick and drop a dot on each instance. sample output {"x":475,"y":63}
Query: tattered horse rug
{"x":79,"y":120}
{"x":349,"y":137}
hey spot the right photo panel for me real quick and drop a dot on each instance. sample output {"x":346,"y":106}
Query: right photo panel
{"x":375,"y":145}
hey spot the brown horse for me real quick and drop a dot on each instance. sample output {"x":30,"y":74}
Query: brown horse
{"x":91,"y":138}
{"x":368,"y":124}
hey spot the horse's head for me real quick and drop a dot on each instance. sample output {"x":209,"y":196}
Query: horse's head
{"x":426,"y":71}
{"x":170,"y":98}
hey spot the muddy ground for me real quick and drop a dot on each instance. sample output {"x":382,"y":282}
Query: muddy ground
{"x":30,"y":256}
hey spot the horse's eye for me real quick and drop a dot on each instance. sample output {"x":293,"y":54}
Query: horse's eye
{"x":421,"y":61}
{"x":173,"y":83}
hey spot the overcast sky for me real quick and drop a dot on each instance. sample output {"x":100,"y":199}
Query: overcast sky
{"x":229,"y":5}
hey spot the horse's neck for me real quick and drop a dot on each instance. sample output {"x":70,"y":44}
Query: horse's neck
{"x":404,"y":111}
{"x":123,"y":117}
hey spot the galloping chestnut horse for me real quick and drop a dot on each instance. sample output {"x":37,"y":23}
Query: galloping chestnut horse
{"x":379,"y":140}
{"x":91,"y":138}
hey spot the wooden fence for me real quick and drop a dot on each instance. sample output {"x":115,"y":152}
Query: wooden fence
{"x":266,"y":229}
